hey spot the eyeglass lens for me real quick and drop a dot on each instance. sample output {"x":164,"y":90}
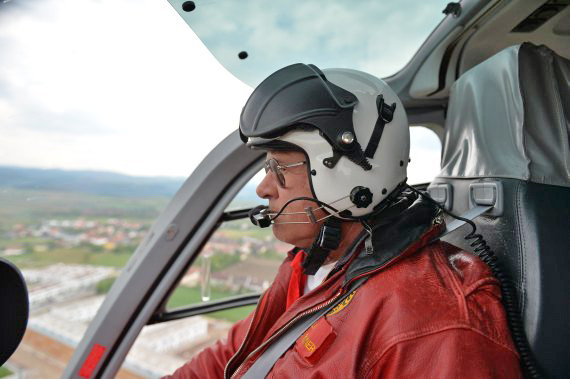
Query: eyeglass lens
{"x":273,"y":165}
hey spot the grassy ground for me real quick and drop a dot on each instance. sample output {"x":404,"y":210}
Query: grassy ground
{"x":79,"y":255}
{"x":186,"y":296}
{"x":24,"y":241}
{"x":27,"y":206}
{"x":183,"y":296}
{"x":261,"y":234}
{"x":233,"y":315}
{"x":5,"y":372}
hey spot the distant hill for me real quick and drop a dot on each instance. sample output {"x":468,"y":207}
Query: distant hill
{"x":90,"y":182}
{"x":101,"y":183}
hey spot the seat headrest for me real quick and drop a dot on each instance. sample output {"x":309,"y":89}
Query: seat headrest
{"x":509,"y":117}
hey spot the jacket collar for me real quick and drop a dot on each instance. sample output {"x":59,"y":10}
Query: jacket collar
{"x":396,"y":236}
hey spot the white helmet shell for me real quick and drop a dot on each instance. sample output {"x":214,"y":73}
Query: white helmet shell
{"x":390,"y":160}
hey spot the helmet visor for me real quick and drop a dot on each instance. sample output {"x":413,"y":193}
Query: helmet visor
{"x":296,"y":94}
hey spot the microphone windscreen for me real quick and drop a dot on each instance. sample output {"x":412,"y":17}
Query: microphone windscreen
{"x":258,"y":217}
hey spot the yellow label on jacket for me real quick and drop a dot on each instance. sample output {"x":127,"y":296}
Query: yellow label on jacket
{"x":309,"y":345}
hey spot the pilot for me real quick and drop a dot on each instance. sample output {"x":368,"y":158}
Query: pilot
{"x":369,"y":290}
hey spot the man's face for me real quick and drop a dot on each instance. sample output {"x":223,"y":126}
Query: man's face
{"x":296,"y":185}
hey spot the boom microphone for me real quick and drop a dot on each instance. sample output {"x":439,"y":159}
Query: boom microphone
{"x":262,"y":217}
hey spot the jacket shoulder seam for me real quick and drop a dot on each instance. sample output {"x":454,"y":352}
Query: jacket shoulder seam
{"x":455,"y":285}
{"x":409,"y":336}
{"x":478,"y":285}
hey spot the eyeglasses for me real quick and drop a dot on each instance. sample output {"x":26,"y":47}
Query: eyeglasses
{"x":278,"y":169}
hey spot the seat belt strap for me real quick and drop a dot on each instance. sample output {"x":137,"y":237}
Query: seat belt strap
{"x":267,"y":360}
{"x":470,"y":215}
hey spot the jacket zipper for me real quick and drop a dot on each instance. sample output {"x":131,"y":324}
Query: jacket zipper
{"x":283,"y":328}
{"x":245,"y":338}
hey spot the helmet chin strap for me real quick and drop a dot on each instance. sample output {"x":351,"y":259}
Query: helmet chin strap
{"x":328,"y":240}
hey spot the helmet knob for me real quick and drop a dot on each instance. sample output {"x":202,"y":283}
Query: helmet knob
{"x":361,"y":196}
{"x":347,"y":138}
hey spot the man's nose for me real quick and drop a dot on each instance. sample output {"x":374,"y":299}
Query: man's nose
{"x":266,"y":189}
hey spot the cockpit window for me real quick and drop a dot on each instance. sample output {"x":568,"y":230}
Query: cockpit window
{"x":425,"y":155}
{"x":103,"y":115}
{"x":254,"y":38}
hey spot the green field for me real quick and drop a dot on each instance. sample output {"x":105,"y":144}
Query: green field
{"x":79,"y":255}
{"x":4,"y":372}
{"x":254,"y":232}
{"x":26,"y":242}
{"x":31,"y":206}
{"x":184,"y":296}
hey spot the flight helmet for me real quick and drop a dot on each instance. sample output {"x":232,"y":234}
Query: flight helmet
{"x":351,"y":126}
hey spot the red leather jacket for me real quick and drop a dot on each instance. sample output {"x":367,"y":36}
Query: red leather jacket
{"x":430,"y":311}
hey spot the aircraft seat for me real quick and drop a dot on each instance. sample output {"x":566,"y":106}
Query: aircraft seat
{"x":507,"y":137}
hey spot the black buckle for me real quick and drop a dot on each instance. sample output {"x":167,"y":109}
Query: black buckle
{"x":385,"y":116}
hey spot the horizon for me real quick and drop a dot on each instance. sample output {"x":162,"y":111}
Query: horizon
{"x":100,"y":171}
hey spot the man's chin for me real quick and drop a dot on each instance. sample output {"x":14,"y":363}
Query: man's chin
{"x":284,"y":233}
{"x":280,"y":232}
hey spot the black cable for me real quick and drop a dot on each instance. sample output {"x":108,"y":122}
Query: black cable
{"x":508,"y":291}
{"x":304,"y":198}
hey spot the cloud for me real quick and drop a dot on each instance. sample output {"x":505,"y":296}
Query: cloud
{"x":89,"y":85}
{"x":34,"y":107}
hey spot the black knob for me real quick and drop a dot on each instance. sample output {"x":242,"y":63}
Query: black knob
{"x":361,"y":196}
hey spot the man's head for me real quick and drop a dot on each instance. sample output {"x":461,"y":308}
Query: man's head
{"x":349,"y":130}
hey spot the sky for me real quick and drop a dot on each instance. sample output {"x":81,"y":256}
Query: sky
{"x":116,"y":85}
{"x":377,"y":36}
{"x":127,"y":86}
